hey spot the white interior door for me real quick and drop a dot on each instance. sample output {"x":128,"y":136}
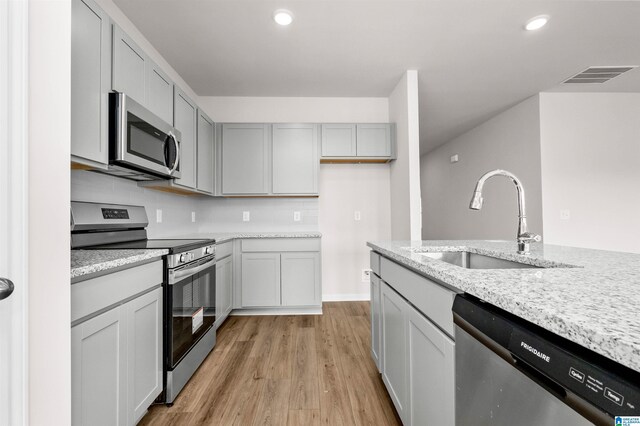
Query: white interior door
{"x":13,"y":211}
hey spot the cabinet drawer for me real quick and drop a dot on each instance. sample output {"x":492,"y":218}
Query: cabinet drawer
{"x":99,"y":293}
{"x":375,"y":262}
{"x":281,"y":244}
{"x":430,"y":298}
{"x":223,"y":250}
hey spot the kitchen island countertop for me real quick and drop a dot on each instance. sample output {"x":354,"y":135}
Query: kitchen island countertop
{"x":590,"y":297}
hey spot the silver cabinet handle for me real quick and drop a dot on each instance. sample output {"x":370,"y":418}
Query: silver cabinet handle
{"x":6,"y":288}
{"x":175,"y":164}
{"x":175,"y":276}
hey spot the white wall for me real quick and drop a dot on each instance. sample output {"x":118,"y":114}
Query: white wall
{"x":49,"y":321}
{"x":343,"y":188}
{"x":511,"y":141}
{"x":590,"y":145}
{"x":406,"y":218}
{"x":176,"y":209}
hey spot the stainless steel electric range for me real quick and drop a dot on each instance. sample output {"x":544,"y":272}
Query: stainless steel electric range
{"x":189,"y":282}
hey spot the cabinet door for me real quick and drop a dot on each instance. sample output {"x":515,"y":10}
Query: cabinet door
{"x":185,"y":118}
{"x":245,"y":159}
{"x":376,"y":321}
{"x":98,"y":370}
{"x":224,"y":288}
{"x":90,"y":81}
{"x":144,"y":352}
{"x":206,"y":158}
{"x":394,"y":349}
{"x":159,"y":92}
{"x":129,"y":66}
{"x":373,"y":140}
{"x":338,"y":140}
{"x":295,"y":159}
{"x":260,"y":279}
{"x":300,"y":273}
{"x":431,"y":372}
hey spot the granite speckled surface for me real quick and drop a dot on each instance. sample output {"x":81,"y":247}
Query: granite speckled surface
{"x":85,"y":262}
{"x":595,"y":302}
{"x":222,"y":237}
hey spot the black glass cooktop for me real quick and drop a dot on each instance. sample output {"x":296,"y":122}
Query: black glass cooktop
{"x":173,"y":245}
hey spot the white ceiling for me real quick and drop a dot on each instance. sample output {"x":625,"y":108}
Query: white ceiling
{"x":474,"y":58}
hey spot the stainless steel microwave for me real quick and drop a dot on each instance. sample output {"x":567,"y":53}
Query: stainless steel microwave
{"x":141,"y":145}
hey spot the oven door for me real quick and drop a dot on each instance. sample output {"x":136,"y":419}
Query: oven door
{"x":141,"y":140}
{"x":190,"y":307}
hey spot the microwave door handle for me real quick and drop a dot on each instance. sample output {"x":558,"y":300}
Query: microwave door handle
{"x":175,"y":164}
{"x":176,"y":276}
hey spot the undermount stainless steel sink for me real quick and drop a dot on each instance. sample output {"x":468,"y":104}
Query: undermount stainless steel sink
{"x":465,"y":259}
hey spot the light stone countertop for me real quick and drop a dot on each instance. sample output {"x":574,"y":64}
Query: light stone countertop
{"x":86,"y":262}
{"x":92,"y":262}
{"x":595,"y":303}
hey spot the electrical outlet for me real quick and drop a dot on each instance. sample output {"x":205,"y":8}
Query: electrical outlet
{"x":356,"y":215}
{"x":366,"y":275}
{"x":296,"y":216}
{"x":158,"y":215}
{"x":565,"y":214}
{"x":193,"y":216}
{"x":246,"y":216}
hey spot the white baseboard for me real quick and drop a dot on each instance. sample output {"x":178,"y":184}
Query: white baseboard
{"x":346,"y":297}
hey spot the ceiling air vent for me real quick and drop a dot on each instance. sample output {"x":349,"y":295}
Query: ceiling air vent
{"x":598,"y":74}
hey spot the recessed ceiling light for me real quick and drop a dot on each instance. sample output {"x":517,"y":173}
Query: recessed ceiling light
{"x":282,"y":17}
{"x":536,"y":23}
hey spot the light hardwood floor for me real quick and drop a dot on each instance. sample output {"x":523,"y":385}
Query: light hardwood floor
{"x":286,"y":370}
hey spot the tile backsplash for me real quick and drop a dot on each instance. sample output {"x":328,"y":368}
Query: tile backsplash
{"x":212,"y":214}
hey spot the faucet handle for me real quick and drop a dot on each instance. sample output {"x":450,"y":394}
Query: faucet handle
{"x":529,"y":237}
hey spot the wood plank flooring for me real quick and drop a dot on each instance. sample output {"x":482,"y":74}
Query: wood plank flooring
{"x":286,"y":370}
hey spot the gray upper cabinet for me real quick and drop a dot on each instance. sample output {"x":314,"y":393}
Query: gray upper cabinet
{"x":185,"y":120}
{"x":338,"y":140}
{"x":295,"y":159}
{"x":373,"y":140}
{"x":205,"y":153}
{"x":90,"y":82}
{"x":300,"y":276}
{"x":357,"y":143}
{"x":245,"y":159}
{"x":159,"y":92}
{"x":129,"y":66}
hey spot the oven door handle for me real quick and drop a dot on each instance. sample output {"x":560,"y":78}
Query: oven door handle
{"x":176,"y":276}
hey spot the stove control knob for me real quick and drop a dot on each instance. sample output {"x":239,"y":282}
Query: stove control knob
{"x":184,"y":257}
{"x":207,"y":250}
{"x":192,"y":256}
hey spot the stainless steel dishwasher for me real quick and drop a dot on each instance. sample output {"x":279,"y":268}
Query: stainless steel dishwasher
{"x":512,"y":372}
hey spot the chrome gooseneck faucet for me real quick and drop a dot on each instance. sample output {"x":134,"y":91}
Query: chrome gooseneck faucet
{"x":524,"y":236}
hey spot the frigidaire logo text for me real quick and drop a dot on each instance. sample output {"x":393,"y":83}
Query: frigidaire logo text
{"x":535,"y":351}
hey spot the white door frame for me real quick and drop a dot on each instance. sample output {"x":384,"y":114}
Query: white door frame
{"x":13,"y":209}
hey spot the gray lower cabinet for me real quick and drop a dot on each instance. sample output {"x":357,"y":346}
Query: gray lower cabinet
{"x":224,"y":289}
{"x":185,"y":120}
{"x":205,"y":154}
{"x":431,"y":372}
{"x":394,"y":349}
{"x":300,"y":275}
{"x":99,"y":370}
{"x":245,"y":159}
{"x":295,"y":159}
{"x":260,"y":279}
{"x":129,"y":66}
{"x":90,"y":82}
{"x":376,"y":321}
{"x":144,"y":352}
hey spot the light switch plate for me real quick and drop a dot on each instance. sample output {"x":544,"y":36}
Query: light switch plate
{"x":454,"y":158}
{"x":193,"y":216}
{"x":296,"y":216}
{"x":366,"y":275}
{"x":246,"y":216}
{"x":565,"y":214}
{"x":356,"y":215}
{"x":158,"y":215}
